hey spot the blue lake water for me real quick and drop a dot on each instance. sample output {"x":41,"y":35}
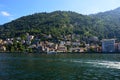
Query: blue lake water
{"x":59,"y":67}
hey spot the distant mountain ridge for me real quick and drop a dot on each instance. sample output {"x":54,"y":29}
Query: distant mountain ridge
{"x":56,"y":23}
{"x":102,"y":25}
{"x":111,"y":22}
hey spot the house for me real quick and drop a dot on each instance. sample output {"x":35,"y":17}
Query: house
{"x":2,"y":48}
{"x":94,"y":48}
{"x":76,"y":49}
{"x":94,"y":39}
{"x":68,"y":43}
{"x":108,"y":45}
{"x":49,"y":36}
{"x":1,"y":41}
{"x":62,"y":42}
{"x":9,"y":42}
{"x":29,"y":37}
{"x":83,"y":49}
{"x":4,"y":42}
{"x":76,"y":43}
{"x":62,"y":48}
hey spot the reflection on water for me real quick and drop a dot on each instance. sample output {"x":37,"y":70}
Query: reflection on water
{"x":59,"y":67}
{"x":107,"y":64}
{"x":98,"y":63}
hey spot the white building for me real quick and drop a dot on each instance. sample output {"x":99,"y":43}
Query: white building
{"x":108,"y":45}
{"x":62,"y":43}
{"x":118,"y":47}
{"x":76,"y":43}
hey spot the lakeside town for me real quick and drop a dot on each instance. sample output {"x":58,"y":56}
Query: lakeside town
{"x":34,"y":44}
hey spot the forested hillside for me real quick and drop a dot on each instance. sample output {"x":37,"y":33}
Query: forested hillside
{"x":110,"y":20}
{"x":58,"y":23}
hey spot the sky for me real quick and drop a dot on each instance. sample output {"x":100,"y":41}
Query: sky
{"x":13,"y":9}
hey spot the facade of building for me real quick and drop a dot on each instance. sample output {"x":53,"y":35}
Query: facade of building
{"x":62,"y":49}
{"x":118,"y":46}
{"x":108,"y":45}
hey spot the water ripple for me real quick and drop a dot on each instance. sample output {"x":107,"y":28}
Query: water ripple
{"x":99,"y":63}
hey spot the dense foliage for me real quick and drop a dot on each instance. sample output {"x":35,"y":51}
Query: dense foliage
{"x":110,"y":22}
{"x":60,"y":23}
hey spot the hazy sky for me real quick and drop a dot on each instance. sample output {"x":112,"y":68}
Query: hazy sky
{"x":12,"y":9}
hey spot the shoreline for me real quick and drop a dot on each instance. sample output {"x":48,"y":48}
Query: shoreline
{"x":64,"y":52}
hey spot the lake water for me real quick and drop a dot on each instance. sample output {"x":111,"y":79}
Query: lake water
{"x":59,"y":67}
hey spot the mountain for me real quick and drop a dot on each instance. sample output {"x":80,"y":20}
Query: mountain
{"x":102,"y":25}
{"x":56,"y":23}
{"x":110,"y":21}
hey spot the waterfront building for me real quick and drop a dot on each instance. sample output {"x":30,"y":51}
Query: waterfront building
{"x":62,"y":43}
{"x":76,"y":43}
{"x":2,"y":48}
{"x":68,"y":43}
{"x":118,"y":47}
{"x":76,"y":49}
{"x":62,"y":48}
{"x":108,"y":45}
